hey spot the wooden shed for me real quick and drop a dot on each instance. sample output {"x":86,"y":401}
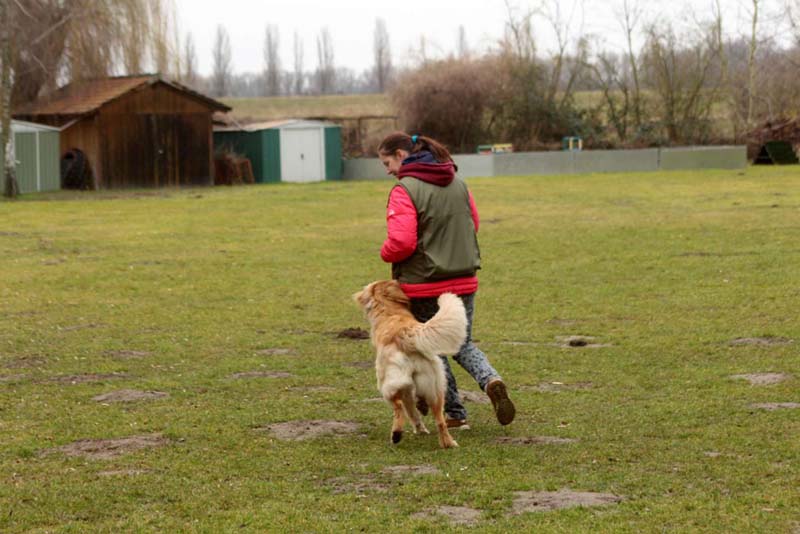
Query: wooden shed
{"x":135,"y":131}
{"x":291,"y":150}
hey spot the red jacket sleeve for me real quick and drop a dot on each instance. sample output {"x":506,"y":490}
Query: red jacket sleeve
{"x":401,"y":227}
{"x":474,"y":211}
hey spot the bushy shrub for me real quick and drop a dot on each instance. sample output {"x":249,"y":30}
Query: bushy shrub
{"x":448,"y":100}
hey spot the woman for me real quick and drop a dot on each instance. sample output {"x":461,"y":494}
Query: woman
{"x":432,"y":226}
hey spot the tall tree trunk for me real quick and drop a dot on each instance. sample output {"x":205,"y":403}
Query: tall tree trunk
{"x":10,"y":186}
{"x":630,"y":20}
{"x":751,"y":66}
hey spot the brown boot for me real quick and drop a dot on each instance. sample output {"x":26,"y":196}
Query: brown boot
{"x":460,"y":424}
{"x":503,"y":407}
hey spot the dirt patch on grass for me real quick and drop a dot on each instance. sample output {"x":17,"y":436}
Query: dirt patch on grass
{"x":129,"y":395}
{"x":127,"y":354}
{"x":455,"y":515}
{"x":312,"y":389}
{"x":25,"y":362}
{"x":77,"y":327}
{"x":366,"y":484}
{"x":761,"y":341}
{"x":361,"y":365}
{"x":772,"y":406}
{"x":577,"y":341}
{"x":378,"y":483}
{"x":261,"y":374}
{"x":353,"y":333}
{"x":303,"y":430}
{"x":762,"y":379}
{"x":521,"y":343}
{"x":122,"y":473}
{"x":12,"y":378}
{"x":87,"y":378}
{"x":558,"y":321}
{"x":104,"y":449}
{"x":534,"y":440}
{"x":403,"y":470}
{"x":275,"y":352}
{"x":558,"y":387}
{"x":474,"y":396}
{"x":545,"y":501}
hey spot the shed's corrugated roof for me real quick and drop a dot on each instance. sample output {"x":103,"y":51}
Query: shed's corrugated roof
{"x":253,"y":126}
{"x":267,"y":125}
{"x":25,"y":126}
{"x":85,"y":97}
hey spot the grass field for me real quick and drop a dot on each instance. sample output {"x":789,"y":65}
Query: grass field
{"x":221,"y":307}
{"x":292,"y":107}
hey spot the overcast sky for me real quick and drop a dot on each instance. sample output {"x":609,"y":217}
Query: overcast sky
{"x":352,"y":23}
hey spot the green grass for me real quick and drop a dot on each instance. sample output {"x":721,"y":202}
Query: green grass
{"x":292,"y":107}
{"x":666,"y":268}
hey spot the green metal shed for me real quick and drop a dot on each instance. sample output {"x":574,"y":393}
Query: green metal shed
{"x":286,"y":151}
{"x":36,"y":155}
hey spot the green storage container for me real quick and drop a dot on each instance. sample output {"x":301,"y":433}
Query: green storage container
{"x":36,"y":155}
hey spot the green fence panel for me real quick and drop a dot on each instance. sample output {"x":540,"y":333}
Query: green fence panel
{"x":271,"y":154}
{"x":49,"y":161}
{"x":25,"y":149}
{"x":333,"y":153}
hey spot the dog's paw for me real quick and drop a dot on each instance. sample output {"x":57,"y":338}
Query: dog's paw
{"x":449,"y":444}
{"x":421,"y":429}
{"x":397,"y":435}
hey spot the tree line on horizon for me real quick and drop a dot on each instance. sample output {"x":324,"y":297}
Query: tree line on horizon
{"x":687,"y":84}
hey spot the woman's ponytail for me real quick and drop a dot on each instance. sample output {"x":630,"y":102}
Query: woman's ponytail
{"x":413,"y":144}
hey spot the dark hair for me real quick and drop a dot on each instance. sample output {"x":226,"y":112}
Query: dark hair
{"x":402,"y":141}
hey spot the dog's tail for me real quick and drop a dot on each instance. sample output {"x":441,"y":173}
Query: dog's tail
{"x":445,"y":332}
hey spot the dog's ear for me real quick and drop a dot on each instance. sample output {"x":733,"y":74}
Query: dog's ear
{"x":393,"y":292}
{"x":364,"y":297}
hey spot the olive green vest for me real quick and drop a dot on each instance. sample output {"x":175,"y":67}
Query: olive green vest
{"x":447,"y":243}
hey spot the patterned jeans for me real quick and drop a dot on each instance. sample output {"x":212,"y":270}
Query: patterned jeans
{"x":470,"y":357}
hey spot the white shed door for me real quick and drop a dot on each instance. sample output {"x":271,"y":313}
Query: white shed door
{"x":301,"y":155}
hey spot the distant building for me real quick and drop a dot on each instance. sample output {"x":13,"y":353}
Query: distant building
{"x":134,"y":131}
{"x":290,"y":150}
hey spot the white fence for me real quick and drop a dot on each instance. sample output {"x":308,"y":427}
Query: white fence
{"x":578,"y":162}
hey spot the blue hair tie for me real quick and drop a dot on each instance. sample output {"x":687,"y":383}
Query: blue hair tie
{"x":414,"y":139}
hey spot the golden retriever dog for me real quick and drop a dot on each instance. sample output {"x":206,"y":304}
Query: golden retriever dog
{"x":407,"y":362}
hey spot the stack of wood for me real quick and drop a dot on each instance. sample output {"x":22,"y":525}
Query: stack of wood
{"x":232,"y":169}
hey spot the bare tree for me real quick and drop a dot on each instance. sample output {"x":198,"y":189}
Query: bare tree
{"x":524,"y":107}
{"x":272,"y":62}
{"x":462,"y":46}
{"x":59,"y":40}
{"x":421,"y":52}
{"x":629,"y":20}
{"x":222,"y":67}
{"x":160,"y":23}
{"x":610,"y":75}
{"x":298,"y":65}
{"x":683,"y":79}
{"x":383,"y":55}
{"x":326,"y":71}
{"x":751,"y":63}
{"x":134,"y":50}
{"x":560,"y":61}
{"x":189,"y":61}
{"x":10,"y":186}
